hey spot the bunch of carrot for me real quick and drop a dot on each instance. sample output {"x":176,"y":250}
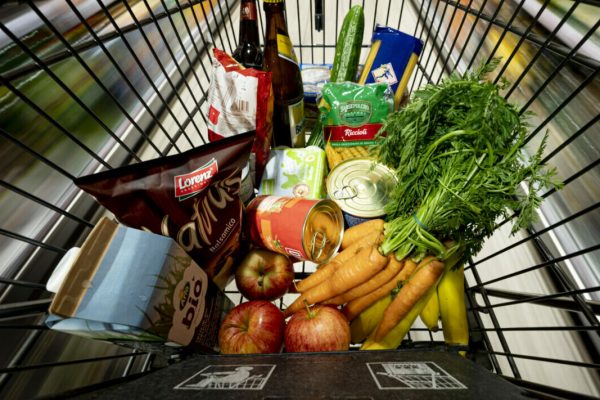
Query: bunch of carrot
{"x":359,"y":275}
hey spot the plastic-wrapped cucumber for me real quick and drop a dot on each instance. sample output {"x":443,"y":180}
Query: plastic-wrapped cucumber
{"x":347,"y":49}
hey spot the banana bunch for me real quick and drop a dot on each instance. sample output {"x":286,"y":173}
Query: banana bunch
{"x":430,"y":314}
{"x":367,"y":321}
{"x":393,"y":339}
{"x":444,"y":301}
{"x":453,"y":311}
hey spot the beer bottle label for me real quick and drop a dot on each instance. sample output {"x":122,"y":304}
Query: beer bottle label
{"x":296,"y":115}
{"x":285,"y":48}
{"x":248,"y":11}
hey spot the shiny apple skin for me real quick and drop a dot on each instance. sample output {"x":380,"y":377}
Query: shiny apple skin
{"x":253,"y":327}
{"x":326,"y":330}
{"x":264,"y":275}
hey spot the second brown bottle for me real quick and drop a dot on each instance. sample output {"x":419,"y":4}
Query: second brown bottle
{"x":281,"y":61}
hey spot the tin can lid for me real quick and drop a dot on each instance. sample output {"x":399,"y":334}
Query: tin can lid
{"x":323,"y":230}
{"x":361,"y":186}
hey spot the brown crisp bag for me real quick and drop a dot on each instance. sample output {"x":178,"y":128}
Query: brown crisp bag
{"x":192,"y":197}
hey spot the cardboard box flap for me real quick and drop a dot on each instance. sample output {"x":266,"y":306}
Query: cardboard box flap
{"x":73,"y":288}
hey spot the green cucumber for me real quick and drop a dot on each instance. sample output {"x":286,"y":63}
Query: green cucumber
{"x":347,"y":49}
{"x":345,"y":62}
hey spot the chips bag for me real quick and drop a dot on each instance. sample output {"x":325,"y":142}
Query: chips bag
{"x":192,"y":197}
{"x":239,"y":100}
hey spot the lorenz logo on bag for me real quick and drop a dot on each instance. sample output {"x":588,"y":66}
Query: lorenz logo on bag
{"x":188,"y":301}
{"x":188,"y":185}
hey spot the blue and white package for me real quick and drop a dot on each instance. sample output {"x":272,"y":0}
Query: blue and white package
{"x":392,"y":59}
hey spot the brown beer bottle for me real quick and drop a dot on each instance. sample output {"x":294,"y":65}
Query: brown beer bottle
{"x":248,"y":52}
{"x":280,"y":60}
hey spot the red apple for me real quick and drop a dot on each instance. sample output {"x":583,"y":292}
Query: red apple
{"x":255,"y":326}
{"x":319,"y":328}
{"x":264,"y":275}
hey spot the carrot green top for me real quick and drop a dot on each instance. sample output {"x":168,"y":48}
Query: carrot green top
{"x":459,"y":152}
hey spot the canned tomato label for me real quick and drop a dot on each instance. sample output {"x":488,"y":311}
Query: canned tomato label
{"x":361,"y":187}
{"x":302,"y":228}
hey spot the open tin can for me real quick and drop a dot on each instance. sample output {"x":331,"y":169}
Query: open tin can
{"x":301,"y":228}
{"x":361,"y":187}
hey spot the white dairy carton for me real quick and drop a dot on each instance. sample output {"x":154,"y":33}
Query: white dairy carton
{"x":128,"y":285}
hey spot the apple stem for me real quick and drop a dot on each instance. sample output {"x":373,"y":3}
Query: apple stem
{"x":310,"y":313}
{"x":260,"y":280}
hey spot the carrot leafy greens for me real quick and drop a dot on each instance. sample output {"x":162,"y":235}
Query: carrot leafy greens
{"x":458,"y":152}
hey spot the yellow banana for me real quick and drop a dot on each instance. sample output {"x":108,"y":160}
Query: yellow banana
{"x":431,"y":313}
{"x":363,"y":325}
{"x":453,"y":312}
{"x":393,"y":339}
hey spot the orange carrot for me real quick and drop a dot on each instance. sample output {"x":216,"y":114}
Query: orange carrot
{"x":367,"y":262}
{"x":296,"y":305}
{"x":358,"y":232}
{"x":409,"y":268}
{"x":354,"y":307}
{"x":426,"y":276}
{"x":322,"y":273}
{"x":385,"y":275}
{"x":326,"y":270}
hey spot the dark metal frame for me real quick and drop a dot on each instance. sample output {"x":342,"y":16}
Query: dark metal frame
{"x":434,"y":30}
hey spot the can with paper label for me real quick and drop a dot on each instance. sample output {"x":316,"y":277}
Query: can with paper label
{"x":302,"y":228}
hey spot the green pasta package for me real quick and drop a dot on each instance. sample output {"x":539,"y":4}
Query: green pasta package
{"x":352,"y":115}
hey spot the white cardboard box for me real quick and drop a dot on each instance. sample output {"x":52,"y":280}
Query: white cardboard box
{"x":125,"y":284}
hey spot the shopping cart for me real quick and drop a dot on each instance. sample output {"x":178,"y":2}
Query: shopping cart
{"x":90,"y":85}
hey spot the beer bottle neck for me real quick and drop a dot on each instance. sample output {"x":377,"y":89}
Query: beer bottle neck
{"x":275,"y":17}
{"x":248,"y":23}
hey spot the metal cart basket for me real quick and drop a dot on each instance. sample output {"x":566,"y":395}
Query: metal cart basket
{"x":89,"y":85}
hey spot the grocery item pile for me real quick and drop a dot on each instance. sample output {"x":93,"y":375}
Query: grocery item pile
{"x":389,"y":199}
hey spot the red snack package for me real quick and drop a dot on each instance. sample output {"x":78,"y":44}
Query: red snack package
{"x":239,"y":100}
{"x":192,"y":197}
